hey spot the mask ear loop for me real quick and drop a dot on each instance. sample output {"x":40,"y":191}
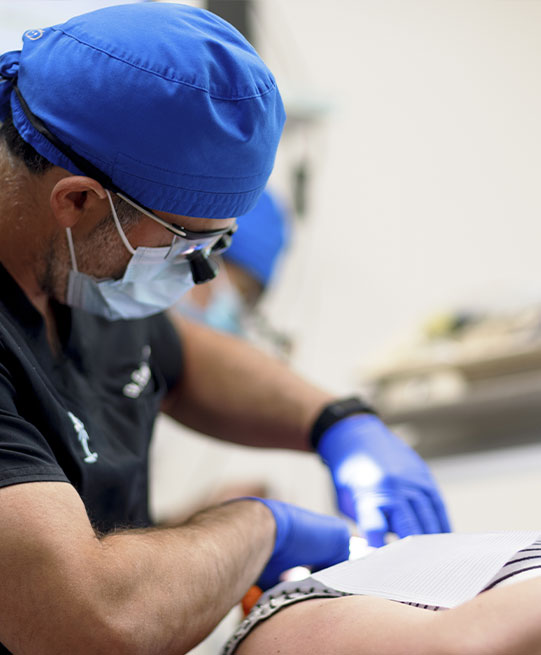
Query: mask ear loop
{"x":71,"y":249}
{"x":118,"y":226}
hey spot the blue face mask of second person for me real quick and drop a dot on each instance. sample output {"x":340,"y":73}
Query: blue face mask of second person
{"x":153,"y":281}
{"x":225,"y":310}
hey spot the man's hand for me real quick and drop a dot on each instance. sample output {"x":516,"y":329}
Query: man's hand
{"x":380,"y":482}
{"x":303,"y":538}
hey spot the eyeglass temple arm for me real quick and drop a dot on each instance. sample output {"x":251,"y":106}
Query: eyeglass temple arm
{"x":82,"y":164}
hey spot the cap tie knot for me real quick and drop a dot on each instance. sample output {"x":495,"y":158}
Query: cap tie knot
{"x":9,"y":67}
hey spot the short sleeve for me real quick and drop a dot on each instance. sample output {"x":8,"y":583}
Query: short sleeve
{"x":25,"y":455}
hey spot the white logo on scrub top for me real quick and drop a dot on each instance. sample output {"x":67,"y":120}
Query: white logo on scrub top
{"x":139,"y":377}
{"x":83,"y":437}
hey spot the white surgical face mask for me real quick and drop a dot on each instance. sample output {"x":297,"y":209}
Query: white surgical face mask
{"x":154,"y":280}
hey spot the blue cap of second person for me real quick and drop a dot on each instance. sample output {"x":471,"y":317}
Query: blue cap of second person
{"x":261,"y":237}
{"x":168,"y":100}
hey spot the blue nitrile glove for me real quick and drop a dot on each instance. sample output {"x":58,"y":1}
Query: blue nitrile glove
{"x":303,"y":538}
{"x":380,"y":481}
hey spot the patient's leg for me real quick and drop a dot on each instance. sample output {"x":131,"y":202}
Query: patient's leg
{"x":502,"y":621}
{"x":351,"y":625}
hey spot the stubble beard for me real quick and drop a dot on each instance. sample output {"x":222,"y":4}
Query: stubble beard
{"x":101,"y":255}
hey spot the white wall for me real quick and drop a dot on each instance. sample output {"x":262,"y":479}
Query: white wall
{"x":426,"y":185}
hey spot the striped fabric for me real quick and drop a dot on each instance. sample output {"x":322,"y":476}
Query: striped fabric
{"x":525,"y":564}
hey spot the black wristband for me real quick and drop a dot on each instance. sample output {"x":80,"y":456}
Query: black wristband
{"x":335,"y":412}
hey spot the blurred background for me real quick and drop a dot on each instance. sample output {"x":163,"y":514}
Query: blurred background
{"x":411,"y":167}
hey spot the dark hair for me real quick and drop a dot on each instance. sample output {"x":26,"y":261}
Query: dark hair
{"x":37,"y":164}
{"x":18,"y":147}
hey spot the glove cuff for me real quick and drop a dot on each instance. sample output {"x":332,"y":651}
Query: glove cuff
{"x":334,"y":412}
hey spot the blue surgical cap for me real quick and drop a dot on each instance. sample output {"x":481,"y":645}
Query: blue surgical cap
{"x":262,"y":235}
{"x":169,"y":101}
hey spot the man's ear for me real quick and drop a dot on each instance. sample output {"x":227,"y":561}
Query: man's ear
{"x":75,"y":196}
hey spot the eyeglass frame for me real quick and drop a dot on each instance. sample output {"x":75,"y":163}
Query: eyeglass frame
{"x":95,"y":173}
{"x":182,"y":232}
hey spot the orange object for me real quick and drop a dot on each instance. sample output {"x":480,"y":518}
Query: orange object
{"x":250,"y":599}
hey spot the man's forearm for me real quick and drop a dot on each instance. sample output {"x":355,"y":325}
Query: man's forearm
{"x":178,"y":583}
{"x":233,"y":391}
{"x":151,"y":591}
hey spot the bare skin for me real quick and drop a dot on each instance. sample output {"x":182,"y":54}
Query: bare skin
{"x":154,"y":591}
{"x":151,"y":591}
{"x":503,"y":621}
{"x":276,"y":412}
{"x":49,"y":204}
{"x":250,"y":288}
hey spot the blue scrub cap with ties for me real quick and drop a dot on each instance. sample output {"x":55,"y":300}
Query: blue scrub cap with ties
{"x":169,"y":101}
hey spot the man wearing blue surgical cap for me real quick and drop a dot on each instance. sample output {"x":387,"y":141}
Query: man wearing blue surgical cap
{"x":131,"y":137}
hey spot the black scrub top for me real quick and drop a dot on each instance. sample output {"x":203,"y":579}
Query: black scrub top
{"x":84,"y":416}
